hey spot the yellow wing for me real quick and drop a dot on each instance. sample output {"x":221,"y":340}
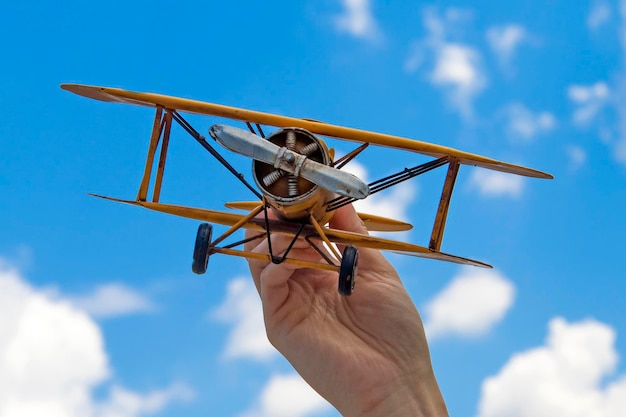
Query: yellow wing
{"x":372,"y":222}
{"x":287,"y":228}
{"x":325,"y":129}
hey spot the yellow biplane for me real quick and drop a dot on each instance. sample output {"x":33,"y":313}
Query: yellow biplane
{"x":297,"y":179}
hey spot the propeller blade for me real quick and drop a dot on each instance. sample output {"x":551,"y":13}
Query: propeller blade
{"x":334,"y":180}
{"x":252,"y":146}
{"x":244,"y":143}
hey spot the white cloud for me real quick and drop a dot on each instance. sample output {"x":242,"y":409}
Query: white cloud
{"x":449,"y":23}
{"x":620,"y":100}
{"x":416,"y":57}
{"x":567,"y":377}
{"x":600,"y":101}
{"x":589,"y":101}
{"x":112,"y":300}
{"x":457,"y":70}
{"x":620,"y":146}
{"x":599,"y":15}
{"x":242,"y":309}
{"x":124,"y":403}
{"x":456,"y":67}
{"x":525,"y":124}
{"x":472,"y":303}
{"x":51,"y":354}
{"x":288,"y":396}
{"x":504,"y":40}
{"x":593,"y":104}
{"x":577,"y":156}
{"x":358,"y":20}
{"x":495,"y":184}
{"x":52,"y":357}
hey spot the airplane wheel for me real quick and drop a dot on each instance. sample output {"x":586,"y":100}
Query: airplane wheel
{"x":348,"y":270}
{"x":201,"y":249}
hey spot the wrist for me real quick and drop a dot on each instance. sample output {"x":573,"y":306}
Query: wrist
{"x":415,"y":399}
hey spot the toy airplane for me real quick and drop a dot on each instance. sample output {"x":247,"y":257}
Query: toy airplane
{"x":296,"y":178}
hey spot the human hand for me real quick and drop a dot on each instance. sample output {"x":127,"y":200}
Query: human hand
{"x":367,"y":353}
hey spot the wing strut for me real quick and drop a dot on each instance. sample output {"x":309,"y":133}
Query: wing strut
{"x":384,"y":183}
{"x":160,"y":129}
{"x":202,"y":141}
{"x":238,"y":225}
{"x":341,"y":162}
{"x":258,"y":126}
{"x":444,"y":204}
{"x":164,"y":146}
{"x":320,"y":231}
{"x":276,"y":259}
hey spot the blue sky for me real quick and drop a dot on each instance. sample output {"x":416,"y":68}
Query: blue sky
{"x":100,"y":314}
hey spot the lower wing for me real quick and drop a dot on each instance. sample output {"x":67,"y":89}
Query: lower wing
{"x":341,"y":237}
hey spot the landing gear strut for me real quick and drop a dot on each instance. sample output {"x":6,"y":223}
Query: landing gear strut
{"x":348,"y":270}
{"x":201,"y":250}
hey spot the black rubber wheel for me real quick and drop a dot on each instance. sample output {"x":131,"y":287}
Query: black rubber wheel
{"x":348,"y":270}
{"x":201,"y":248}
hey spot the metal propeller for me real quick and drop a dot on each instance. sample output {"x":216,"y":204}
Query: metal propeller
{"x":282,"y":158}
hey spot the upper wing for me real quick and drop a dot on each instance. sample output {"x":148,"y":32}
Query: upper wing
{"x":325,"y":129}
{"x":287,"y":228}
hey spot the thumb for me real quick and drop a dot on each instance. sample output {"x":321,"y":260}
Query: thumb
{"x":346,"y":218}
{"x":372,"y":260}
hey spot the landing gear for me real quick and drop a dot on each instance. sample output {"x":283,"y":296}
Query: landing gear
{"x":201,"y":250}
{"x":348,"y":270}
